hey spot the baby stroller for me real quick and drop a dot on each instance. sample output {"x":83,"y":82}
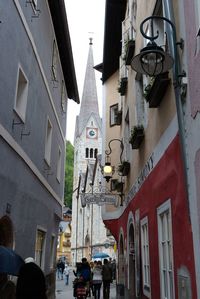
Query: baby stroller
{"x":80,"y":288}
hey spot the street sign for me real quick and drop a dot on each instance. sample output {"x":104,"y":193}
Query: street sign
{"x":98,"y":198}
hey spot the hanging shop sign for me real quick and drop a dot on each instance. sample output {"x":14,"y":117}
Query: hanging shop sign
{"x":98,"y":198}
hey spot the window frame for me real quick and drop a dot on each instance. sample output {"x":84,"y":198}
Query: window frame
{"x":59,"y":163}
{"x":42,"y":251}
{"x":146,"y":273}
{"x":48,"y":142}
{"x":54,"y":67}
{"x":113,"y":110}
{"x":52,"y":251}
{"x":63,"y":97}
{"x":21,"y":94}
{"x":168,"y":291}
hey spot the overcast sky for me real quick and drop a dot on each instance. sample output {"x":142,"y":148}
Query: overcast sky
{"x":85,"y":19}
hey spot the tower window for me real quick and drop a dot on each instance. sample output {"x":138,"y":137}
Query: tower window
{"x":87,"y":152}
{"x":91,"y":153}
{"x":95,"y":152}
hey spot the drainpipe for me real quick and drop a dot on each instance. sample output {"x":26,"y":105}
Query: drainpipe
{"x":178,"y":73}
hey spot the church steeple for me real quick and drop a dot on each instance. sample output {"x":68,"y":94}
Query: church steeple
{"x":89,"y":102}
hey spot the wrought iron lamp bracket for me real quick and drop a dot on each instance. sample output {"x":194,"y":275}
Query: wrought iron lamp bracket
{"x":108,"y":152}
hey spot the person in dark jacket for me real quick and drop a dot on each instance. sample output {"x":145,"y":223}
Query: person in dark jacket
{"x":107,"y":279}
{"x":7,"y":287}
{"x":31,"y":282}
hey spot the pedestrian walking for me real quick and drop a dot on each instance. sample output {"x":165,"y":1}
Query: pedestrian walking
{"x":66,"y":274}
{"x":31,"y":282}
{"x":107,"y":279}
{"x":97,"y":280}
{"x":62,"y":267}
{"x":113,"y":264}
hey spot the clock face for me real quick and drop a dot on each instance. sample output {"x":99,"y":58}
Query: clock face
{"x":92,"y":133}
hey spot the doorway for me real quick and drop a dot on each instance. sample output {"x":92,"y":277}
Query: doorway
{"x":131,"y":262}
{"x":6,"y":232}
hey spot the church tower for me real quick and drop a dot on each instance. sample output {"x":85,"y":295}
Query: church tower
{"x":88,"y":230}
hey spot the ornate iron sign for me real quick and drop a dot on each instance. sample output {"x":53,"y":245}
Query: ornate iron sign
{"x":98,"y":198}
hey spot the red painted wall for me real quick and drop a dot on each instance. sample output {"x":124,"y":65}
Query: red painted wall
{"x":164,"y":182}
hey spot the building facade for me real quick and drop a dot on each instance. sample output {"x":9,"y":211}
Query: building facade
{"x":36,"y":81}
{"x":192,"y":43}
{"x":152,"y":223}
{"x":89,"y":234}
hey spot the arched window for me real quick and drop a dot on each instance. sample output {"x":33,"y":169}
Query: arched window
{"x":87,"y":152}
{"x":91,"y":153}
{"x":95,"y":152}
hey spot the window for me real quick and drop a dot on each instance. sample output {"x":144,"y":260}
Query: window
{"x":91,"y":153}
{"x":95,"y":153}
{"x":39,"y":247}
{"x":197,"y":6}
{"x":34,"y":3}
{"x":48,"y":142}
{"x":63,"y":97}
{"x":141,"y":106}
{"x":52,"y":251}
{"x":58,"y":176}
{"x":145,"y":256}
{"x":165,"y":250}
{"x":113,"y":115}
{"x":54,"y":61}
{"x":87,"y":152}
{"x":127,"y":136}
{"x":21,"y":95}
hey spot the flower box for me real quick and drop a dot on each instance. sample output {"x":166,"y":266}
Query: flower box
{"x":117,"y":186}
{"x":156,"y":89}
{"x":130,"y":49}
{"x":137,"y":136}
{"x":122,"y":86}
{"x":124,"y":168}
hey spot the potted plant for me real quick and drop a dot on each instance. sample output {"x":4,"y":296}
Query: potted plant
{"x":124,"y":168}
{"x":137,"y":135}
{"x":155,"y":90}
{"x":117,"y":185}
{"x":129,"y":51}
{"x":122,"y":86}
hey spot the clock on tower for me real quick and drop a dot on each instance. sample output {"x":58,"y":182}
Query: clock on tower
{"x":92,"y":133}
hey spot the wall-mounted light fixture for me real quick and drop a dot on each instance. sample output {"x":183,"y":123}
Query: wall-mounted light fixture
{"x":108,"y":169}
{"x":153,"y":60}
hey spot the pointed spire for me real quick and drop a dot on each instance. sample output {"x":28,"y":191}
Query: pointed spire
{"x":89,"y":102}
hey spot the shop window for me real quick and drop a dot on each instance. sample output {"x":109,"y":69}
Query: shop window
{"x":145,"y":257}
{"x":165,"y":251}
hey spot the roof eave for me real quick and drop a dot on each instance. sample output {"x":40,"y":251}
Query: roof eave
{"x":114,"y":15}
{"x":59,"y":18}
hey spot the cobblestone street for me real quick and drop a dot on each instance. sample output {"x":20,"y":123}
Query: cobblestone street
{"x":66,"y":291}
